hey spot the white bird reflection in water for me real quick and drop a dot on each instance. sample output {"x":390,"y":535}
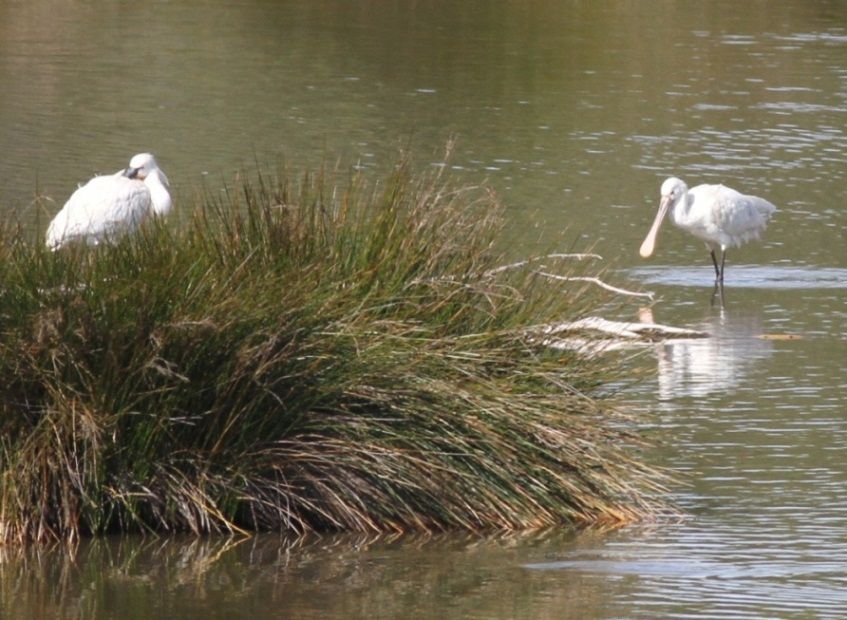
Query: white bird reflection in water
{"x":702,"y":366}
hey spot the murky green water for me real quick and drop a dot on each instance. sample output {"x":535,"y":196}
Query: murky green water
{"x":574,"y":112}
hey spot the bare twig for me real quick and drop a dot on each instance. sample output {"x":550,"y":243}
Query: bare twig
{"x":574,"y":256}
{"x":598,"y":282}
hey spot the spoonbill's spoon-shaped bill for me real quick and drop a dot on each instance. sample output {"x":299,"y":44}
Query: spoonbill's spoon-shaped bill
{"x":648,"y":246}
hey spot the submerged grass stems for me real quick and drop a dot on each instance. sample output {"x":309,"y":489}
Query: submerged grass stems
{"x":304,"y":354}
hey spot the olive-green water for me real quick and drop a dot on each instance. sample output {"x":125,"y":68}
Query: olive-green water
{"x":574,"y":112}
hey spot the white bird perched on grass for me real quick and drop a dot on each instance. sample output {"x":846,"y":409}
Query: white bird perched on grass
{"x":110,"y":206}
{"x":718,"y":215}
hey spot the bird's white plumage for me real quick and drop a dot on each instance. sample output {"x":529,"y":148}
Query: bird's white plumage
{"x":718,"y":215}
{"x":110,"y":206}
{"x":721,"y":216}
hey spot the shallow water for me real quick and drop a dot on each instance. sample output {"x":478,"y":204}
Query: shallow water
{"x":573,"y":112}
{"x":772,"y":277}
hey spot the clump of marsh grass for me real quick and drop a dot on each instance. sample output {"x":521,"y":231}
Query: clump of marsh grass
{"x":301,"y":354}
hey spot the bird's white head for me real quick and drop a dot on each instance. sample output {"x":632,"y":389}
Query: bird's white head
{"x":140,"y":166}
{"x":143,"y":167}
{"x":673,"y":188}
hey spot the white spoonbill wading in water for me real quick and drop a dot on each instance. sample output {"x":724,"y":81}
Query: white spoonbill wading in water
{"x":109,"y":206}
{"x":720,"y":216}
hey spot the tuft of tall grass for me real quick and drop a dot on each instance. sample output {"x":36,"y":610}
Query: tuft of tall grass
{"x":307,"y":353}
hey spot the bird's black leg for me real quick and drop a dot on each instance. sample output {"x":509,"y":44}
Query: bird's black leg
{"x":718,"y":292}
{"x":718,"y":271}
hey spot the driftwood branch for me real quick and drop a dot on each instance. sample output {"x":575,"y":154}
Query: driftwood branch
{"x":621,"y":329}
{"x":595,"y":334}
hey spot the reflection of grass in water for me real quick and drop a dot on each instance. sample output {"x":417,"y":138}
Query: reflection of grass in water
{"x":361,"y":576}
{"x":300,"y":355}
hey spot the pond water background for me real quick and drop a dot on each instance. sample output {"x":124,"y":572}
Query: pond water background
{"x":574,"y":112}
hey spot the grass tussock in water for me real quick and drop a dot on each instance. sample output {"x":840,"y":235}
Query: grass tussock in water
{"x":303,"y":355}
